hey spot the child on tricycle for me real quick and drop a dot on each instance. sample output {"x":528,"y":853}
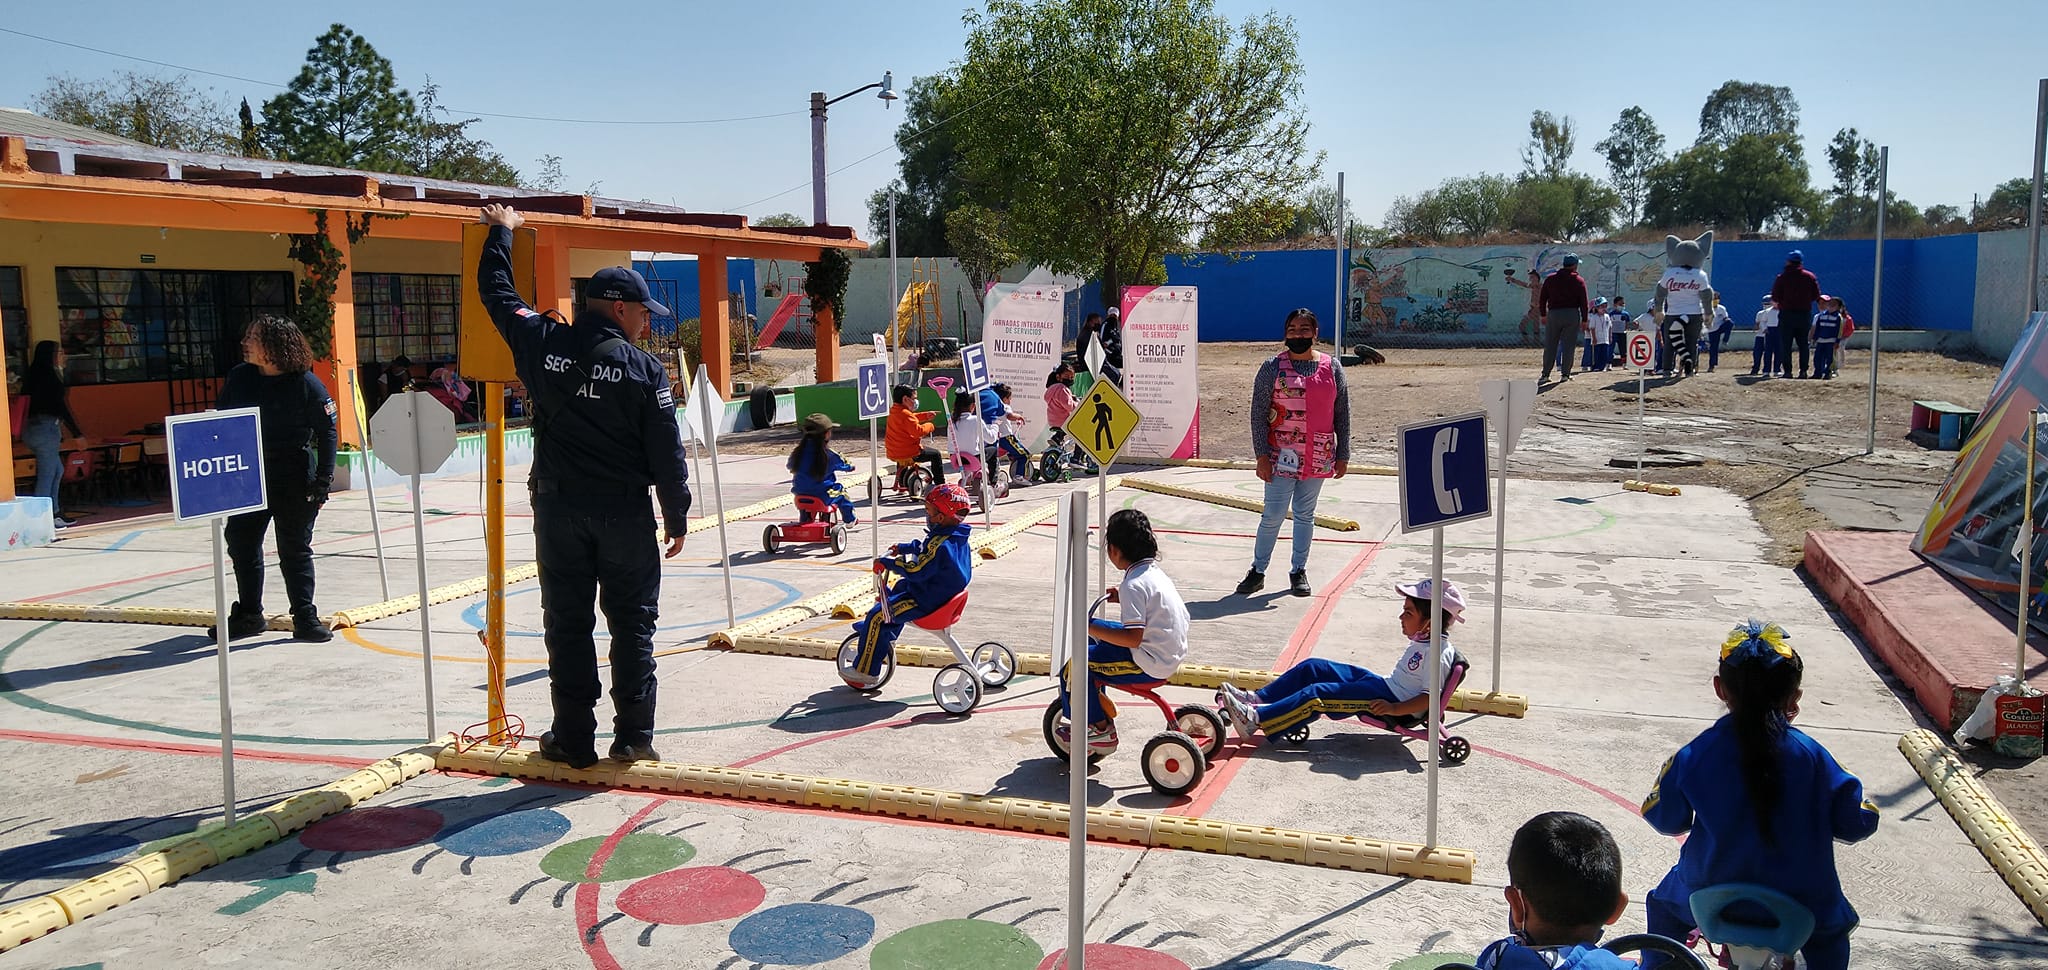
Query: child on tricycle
{"x":929,"y":573}
{"x":1150,"y":642}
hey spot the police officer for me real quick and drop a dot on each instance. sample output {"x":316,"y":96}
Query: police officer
{"x":604,"y":431}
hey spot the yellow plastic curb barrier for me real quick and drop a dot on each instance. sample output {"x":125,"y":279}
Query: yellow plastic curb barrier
{"x":151,"y":615}
{"x":1231,"y":501}
{"x":2008,"y":848}
{"x":848,"y":599}
{"x":1242,"y":465}
{"x":1441,"y":863}
{"x":1205,"y":676}
{"x":133,"y":880}
{"x":1651,"y":487}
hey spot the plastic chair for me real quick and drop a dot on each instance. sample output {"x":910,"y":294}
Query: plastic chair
{"x":156,"y":463}
{"x":24,"y":471}
{"x":81,"y":468}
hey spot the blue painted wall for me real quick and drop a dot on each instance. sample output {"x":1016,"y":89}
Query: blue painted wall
{"x":678,"y":278}
{"x":1247,"y":296}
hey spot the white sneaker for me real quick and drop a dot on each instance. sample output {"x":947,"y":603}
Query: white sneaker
{"x":860,"y":681}
{"x":1244,"y":717}
{"x":1100,"y":743}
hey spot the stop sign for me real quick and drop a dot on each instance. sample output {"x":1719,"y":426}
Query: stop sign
{"x":397,"y":445}
{"x":1641,"y":350}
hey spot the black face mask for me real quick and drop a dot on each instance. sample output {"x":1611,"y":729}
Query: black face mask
{"x":1300,"y":345}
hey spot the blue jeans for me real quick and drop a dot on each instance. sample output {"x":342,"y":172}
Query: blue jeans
{"x":43,"y":435}
{"x":1281,"y":493}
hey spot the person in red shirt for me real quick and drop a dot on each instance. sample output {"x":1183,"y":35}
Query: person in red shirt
{"x":1563,"y":302}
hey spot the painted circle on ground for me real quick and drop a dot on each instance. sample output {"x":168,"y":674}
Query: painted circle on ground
{"x":1288,"y":965}
{"x":957,"y":944}
{"x":372,"y":830}
{"x":508,"y":834}
{"x":62,"y":854}
{"x":473,"y":615}
{"x":637,"y":856}
{"x":799,"y":934}
{"x":1110,"y":956}
{"x":684,"y":897}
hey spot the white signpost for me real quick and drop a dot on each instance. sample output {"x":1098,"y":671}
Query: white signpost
{"x":874,"y":403}
{"x":418,"y":434}
{"x":1641,"y":351}
{"x":370,"y":482}
{"x":216,"y":470}
{"x":706,"y":406}
{"x":1508,"y":403}
{"x":1070,"y":643}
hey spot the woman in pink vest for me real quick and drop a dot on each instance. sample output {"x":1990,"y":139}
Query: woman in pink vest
{"x":1301,"y":431}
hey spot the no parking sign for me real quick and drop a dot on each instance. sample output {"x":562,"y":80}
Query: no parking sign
{"x":1641,"y":350}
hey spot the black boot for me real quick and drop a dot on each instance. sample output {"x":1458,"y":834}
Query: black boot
{"x":245,"y":623}
{"x":309,"y":627}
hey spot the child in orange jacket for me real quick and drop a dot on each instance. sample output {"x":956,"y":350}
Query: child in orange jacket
{"x":907,"y":430}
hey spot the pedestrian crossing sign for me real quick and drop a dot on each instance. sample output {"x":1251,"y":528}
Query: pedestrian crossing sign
{"x":1103,"y":422}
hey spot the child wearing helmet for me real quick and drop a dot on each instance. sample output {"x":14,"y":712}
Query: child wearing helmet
{"x":929,"y":573}
{"x":1764,"y":803}
{"x":812,"y":466}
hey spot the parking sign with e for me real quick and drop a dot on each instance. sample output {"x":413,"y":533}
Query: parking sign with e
{"x":874,"y":388}
{"x":973,"y":367}
{"x":1641,"y":350}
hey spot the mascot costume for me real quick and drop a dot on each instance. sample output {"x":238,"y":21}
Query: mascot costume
{"x":1683,"y":298}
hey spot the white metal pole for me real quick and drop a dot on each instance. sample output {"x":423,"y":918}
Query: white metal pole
{"x":874,"y":488}
{"x":1337,"y":318}
{"x":895,"y":294}
{"x":1077,"y":746}
{"x":1101,"y":524}
{"x":370,"y":483}
{"x":724,"y":556}
{"x":1642,"y":429}
{"x":2034,"y":211}
{"x":220,"y":640}
{"x":1884,"y":156}
{"x":2026,"y":548}
{"x":1436,"y":674}
{"x":413,"y":400}
{"x":1500,"y":542}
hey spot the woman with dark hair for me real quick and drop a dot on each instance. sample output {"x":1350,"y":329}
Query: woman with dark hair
{"x":49,"y":413}
{"x":298,"y":469}
{"x":1301,"y":433}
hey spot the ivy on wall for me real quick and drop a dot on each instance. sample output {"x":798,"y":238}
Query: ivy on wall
{"x":323,"y":264}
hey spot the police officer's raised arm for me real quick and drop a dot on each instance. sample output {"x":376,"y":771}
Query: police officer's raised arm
{"x":665,"y":461}
{"x":519,"y":323}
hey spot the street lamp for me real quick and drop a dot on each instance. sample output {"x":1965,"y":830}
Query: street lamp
{"x":818,"y":106}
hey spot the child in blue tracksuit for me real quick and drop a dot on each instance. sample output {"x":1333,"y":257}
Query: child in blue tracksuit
{"x":1617,"y":325}
{"x":1763,"y":802}
{"x":1317,"y":687}
{"x":812,"y":465}
{"x":1564,"y":886}
{"x":999,"y":431}
{"x":1827,"y":335}
{"x":929,"y":573}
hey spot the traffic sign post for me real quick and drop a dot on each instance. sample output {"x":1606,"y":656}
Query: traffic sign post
{"x":1442,"y":467}
{"x":355,"y":388}
{"x":1069,"y":644}
{"x":1641,"y":349}
{"x":216,"y":470}
{"x":708,"y":405}
{"x":1108,"y":419}
{"x":419,"y":435}
{"x":974,"y":367}
{"x":1508,"y":403}
{"x":874,"y":402}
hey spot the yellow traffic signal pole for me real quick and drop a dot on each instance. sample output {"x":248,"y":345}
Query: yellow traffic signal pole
{"x":494,"y":561}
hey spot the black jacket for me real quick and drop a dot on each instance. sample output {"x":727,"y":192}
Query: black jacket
{"x":609,"y":432}
{"x":49,"y":398}
{"x":298,"y":424}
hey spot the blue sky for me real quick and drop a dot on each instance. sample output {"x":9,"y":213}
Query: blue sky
{"x":1399,"y":95}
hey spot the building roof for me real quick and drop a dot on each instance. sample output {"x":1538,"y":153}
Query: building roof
{"x":15,"y":121}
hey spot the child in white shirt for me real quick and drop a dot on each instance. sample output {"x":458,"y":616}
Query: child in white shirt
{"x":1149,"y":644}
{"x":1602,"y":328}
{"x":1764,"y":357}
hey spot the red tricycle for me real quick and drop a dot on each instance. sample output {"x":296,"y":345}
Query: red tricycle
{"x":1454,"y":749}
{"x":958,"y":686}
{"x":816,"y":522}
{"x":1175,"y":759}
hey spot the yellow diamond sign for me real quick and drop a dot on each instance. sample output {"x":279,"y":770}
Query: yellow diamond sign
{"x":1103,"y":422}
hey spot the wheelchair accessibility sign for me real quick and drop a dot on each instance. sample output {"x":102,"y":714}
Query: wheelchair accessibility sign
{"x":1442,"y":464}
{"x":874,"y":390}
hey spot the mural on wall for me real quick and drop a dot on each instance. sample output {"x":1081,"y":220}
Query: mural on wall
{"x":1483,"y":289}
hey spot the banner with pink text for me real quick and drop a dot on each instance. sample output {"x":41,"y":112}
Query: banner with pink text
{"x":1160,"y":371}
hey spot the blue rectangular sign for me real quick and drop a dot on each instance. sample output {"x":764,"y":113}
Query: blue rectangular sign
{"x":974,"y":367}
{"x":216,"y":463}
{"x":874,"y":388}
{"x":1442,"y":465}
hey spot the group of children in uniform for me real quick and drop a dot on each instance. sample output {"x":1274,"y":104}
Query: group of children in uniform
{"x":1832,"y":325}
{"x":1608,"y":326}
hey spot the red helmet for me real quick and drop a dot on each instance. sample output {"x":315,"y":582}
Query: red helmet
{"x":946,"y":502}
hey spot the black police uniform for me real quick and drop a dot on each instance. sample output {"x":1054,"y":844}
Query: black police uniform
{"x":298,"y":469}
{"x":606,"y":431}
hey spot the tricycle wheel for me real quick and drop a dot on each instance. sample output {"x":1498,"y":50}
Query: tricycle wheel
{"x":1203,"y":724}
{"x":996,"y":663}
{"x":1456,"y":750}
{"x":1054,"y":720}
{"x":837,"y":536}
{"x":956,"y":689}
{"x":771,"y":538}
{"x":917,"y":481}
{"x":1173,"y":763}
{"x":849,"y":651}
{"x":1297,"y":734}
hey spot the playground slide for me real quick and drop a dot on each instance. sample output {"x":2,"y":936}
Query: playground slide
{"x":784,"y":311}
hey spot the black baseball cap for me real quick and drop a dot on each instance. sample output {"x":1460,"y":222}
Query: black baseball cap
{"x":620,"y":283}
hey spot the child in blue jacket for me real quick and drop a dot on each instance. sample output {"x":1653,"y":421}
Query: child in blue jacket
{"x":1564,"y":887}
{"x":1764,"y":803}
{"x":813,"y":463}
{"x":929,"y":573}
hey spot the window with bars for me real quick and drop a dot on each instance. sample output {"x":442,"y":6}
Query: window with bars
{"x":14,"y":324}
{"x":126,"y":325}
{"x":409,"y":314}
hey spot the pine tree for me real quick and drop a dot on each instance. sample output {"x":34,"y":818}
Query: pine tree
{"x":344,"y":109}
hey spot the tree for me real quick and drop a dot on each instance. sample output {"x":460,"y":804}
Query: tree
{"x":1747,"y":108}
{"x":1573,"y":204}
{"x":933,"y":181}
{"x":550,"y":177}
{"x":1632,"y":148}
{"x":1750,"y":181}
{"x":1476,"y":205}
{"x":167,"y":112}
{"x":250,"y":140}
{"x":1256,"y":222}
{"x":1854,"y":160}
{"x":442,"y":148}
{"x":2006,"y":206}
{"x":343,"y":109}
{"x":1321,"y":211}
{"x":1944,"y":219}
{"x":1106,"y":130}
{"x":1419,"y":218}
{"x":784,"y":220}
{"x":1551,"y":141}
{"x":980,"y":240}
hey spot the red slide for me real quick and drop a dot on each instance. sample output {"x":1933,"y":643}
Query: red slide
{"x":783,"y":312}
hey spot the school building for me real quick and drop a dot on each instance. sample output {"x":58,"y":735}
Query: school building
{"x":146,"y":263}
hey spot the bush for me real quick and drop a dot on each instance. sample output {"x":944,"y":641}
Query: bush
{"x":690,"y":335}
